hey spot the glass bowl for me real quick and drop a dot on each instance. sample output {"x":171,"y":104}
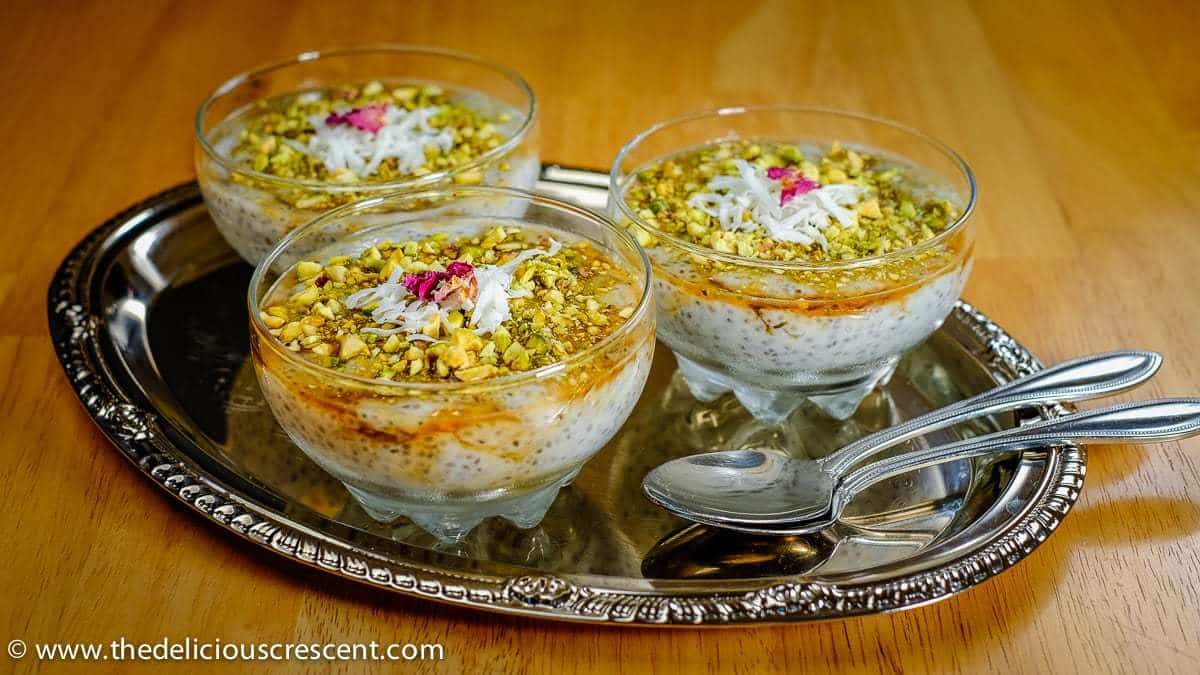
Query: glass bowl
{"x":253,"y":209}
{"x":449,"y":454}
{"x":777,"y":333}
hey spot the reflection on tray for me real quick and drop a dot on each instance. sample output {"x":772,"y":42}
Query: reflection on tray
{"x":702,"y":552}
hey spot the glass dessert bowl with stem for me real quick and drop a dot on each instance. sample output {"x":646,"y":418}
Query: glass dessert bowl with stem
{"x":797,"y":253}
{"x":449,"y":366}
{"x":279,"y":145}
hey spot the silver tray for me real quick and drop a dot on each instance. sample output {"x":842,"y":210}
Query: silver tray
{"x":147,"y":317}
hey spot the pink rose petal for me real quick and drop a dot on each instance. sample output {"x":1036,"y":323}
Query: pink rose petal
{"x":368,"y":118}
{"x":788,"y":194}
{"x":422,"y":283}
{"x":805,"y":185}
{"x":425,"y":285}
{"x":794,"y":183}
{"x":455,"y":291}
{"x":459,"y":268}
{"x":335,"y":119}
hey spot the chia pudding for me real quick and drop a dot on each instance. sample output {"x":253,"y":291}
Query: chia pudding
{"x":281,"y":145}
{"x":456,"y":368}
{"x":788,"y":269}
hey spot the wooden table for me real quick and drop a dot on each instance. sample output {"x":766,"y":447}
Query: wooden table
{"x":1081,"y":123}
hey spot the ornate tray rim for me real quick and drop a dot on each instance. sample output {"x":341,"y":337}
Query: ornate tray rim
{"x":138,"y":434}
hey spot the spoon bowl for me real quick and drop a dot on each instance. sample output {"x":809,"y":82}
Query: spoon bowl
{"x":722,"y":485}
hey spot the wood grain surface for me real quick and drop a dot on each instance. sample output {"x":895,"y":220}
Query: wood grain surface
{"x":1082,"y":122}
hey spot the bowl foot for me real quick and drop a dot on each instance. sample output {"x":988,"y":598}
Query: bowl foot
{"x":450,"y":522}
{"x":843,"y":404}
{"x":774,"y":405}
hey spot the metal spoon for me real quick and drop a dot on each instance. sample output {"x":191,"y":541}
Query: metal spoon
{"x":1142,"y":422}
{"x":748,"y":487}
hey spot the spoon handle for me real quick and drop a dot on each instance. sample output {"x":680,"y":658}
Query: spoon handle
{"x":1141,"y":422}
{"x":1075,"y":380}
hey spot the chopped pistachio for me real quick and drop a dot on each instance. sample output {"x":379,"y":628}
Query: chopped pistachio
{"x":337,"y":272}
{"x":476,"y":373}
{"x":514,"y":351}
{"x":537,"y":343}
{"x":488,"y":351}
{"x":306,"y":269}
{"x":351,"y":346}
{"x":290,"y":332}
{"x":870,"y":209}
{"x":392,"y":344}
{"x":458,"y":356}
{"x":467,"y":339}
{"x":502,"y":338}
{"x":523,"y":361}
{"x":307,"y":297}
{"x":323,"y":310}
{"x":271,"y":320}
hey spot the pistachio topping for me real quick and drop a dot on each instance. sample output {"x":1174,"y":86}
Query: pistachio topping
{"x":361,"y":134}
{"x":769,"y":200}
{"x":448,"y":308}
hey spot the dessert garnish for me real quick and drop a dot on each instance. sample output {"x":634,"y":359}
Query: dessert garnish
{"x":443,"y":307}
{"x":793,"y":183}
{"x":789,"y":206}
{"x":769,"y":200}
{"x":368,"y":118}
{"x":360,"y":140}
{"x":482,"y":292}
{"x":367,"y":132}
{"x":428,"y":285}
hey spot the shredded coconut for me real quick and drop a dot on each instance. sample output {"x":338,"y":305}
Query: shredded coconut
{"x":404,"y":136}
{"x":410,"y":316}
{"x":751,"y":199}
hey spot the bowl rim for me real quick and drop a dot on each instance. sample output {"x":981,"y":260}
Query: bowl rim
{"x":617,"y":195}
{"x":430,"y":179}
{"x":643,"y":310}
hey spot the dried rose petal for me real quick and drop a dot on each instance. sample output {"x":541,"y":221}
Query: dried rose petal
{"x":426,"y":288}
{"x":456,"y":291}
{"x":368,"y":118}
{"x":428,"y":285}
{"x":371,"y":118}
{"x":788,"y":194}
{"x":794,"y":183}
{"x":422,"y":284}
{"x":777,"y":172}
{"x":805,"y":185}
{"x":459,"y":268}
